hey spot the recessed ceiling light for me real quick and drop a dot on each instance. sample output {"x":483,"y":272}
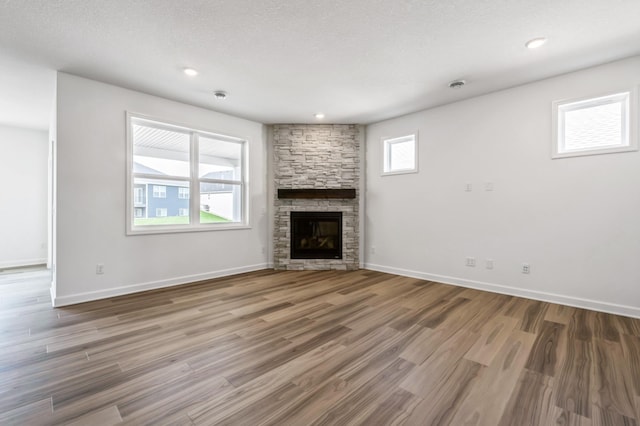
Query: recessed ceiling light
{"x":319,"y":116}
{"x":457,"y":84}
{"x":220,"y":94}
{"x":535,"y":42}
{"x":190,"y":72}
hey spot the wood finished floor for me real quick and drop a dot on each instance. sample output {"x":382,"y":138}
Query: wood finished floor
{"x":312,"y":348}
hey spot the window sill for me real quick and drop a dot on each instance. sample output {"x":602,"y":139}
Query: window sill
{"x":557,"y":155}
{"x":159,"y":229}
{"x":400,"y":172}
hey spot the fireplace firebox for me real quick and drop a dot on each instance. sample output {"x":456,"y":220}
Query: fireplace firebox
{"x":316,"y":235}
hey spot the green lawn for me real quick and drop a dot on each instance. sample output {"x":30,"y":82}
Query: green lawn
{"x":205,"y":217}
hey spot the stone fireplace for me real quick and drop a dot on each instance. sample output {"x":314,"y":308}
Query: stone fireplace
{"x":316,"y":177}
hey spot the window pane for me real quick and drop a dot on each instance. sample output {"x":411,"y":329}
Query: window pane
{"x":160,"y":152}
{"x":220,"y":203}
{"x":593,"y":127}
{"x":220,"y":159}
{"x":402,"y":155}
{"x":139,"y":195}
{"x":165,"y":204}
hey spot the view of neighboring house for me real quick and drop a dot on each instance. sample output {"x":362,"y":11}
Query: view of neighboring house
{"x":171,"y":198}
{"x":153,"y":200}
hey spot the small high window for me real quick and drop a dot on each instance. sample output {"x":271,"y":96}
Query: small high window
{"x":599,"y":125}
{"x":400,"y":155}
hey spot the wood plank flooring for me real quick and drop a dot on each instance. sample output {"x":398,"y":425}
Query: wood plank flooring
{"x":312,"y":348}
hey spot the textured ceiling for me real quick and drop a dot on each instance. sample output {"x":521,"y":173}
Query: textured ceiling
{"x":358,"y":61}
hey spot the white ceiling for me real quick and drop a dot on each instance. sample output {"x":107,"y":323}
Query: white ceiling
{"x":281,"y":61}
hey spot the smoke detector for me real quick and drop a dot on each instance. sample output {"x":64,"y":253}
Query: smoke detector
{"x":220,"y":94}
{"x":457,"y":84}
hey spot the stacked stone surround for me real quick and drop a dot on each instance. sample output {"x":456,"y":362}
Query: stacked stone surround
{"x":324,"y":156}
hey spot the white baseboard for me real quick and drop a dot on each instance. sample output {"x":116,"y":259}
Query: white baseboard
{"x":577,"y":302}
{"x":22,"y":262}
{"x":151,"y":285}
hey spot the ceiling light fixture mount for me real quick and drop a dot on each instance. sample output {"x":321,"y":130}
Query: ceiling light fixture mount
{"x":319,"y":115}
{"x":534,"y":43}
{"x":220,"y":94}
{"x":457,"y":84}
{"x":191,"y":72}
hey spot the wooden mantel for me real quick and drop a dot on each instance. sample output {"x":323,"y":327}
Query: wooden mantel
{"x":316,"y":193}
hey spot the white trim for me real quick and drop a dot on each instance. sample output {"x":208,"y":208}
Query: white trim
{"x":387,"y":142}
{"x":629,"y":99}
{"x":177,"y":229}
{"x":23,"y":262}
{"x":578,"y":302}
{"x":194,"y":224}
{"x":194,"y":185}
{"x":129,"y":214}
{"x":151,"y":285}
{"x":52,"y":292}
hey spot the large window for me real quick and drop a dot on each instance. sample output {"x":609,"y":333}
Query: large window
{"x":400,"y":155}
{"x":594,"y":126}
{"x":195,"y":179}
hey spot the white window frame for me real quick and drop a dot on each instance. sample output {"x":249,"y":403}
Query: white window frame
{"x":183,"y":212}
{"x":161,"y":212}
{"x":159,"y":193}
{"x":182,"y":194}
{"x":387,"y":143}
{"x":628,"y":98}
{"x":193,"y":180}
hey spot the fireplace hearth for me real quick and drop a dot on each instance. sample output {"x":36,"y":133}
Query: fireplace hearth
{"x":316,"y":235}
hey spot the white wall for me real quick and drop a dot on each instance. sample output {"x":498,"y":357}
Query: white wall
{"x":91,"y":175}
{"x":575,"y":220}
{"x":23,"y":196}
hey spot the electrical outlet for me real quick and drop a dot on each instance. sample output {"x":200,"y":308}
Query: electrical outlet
{"x":489,"y":264}
{"x":373,"y":250}
{"x":99,"y":269}
{"x":526,"y":268}
{"x":471,"y":261}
